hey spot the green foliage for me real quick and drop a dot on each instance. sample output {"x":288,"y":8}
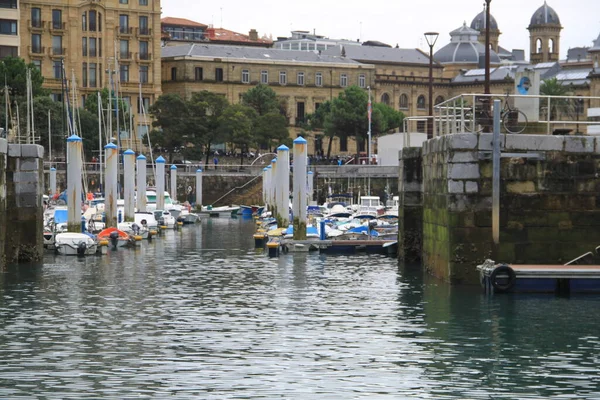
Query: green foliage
{"x":206,"y":109}
{"x":385,"y":118}
{"x":262,"y":99}
{"x":171,"y":115}
{"x":270,"y":130}
{"x":91,"y":105}
{"x":553,"y":87}
{"x":14,"y":70}
{"x":41,"y":106}
{"x":236,"y":126}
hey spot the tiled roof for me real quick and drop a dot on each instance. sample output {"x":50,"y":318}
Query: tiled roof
{"x":376,"y":54}
{"x":225,"y":35}
{"x":181,"y":22}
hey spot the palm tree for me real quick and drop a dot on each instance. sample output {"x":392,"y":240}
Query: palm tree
{"x":553,"y":87}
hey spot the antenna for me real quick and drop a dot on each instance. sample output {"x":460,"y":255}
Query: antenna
{"x":221,"y":17}
{"x":360,"y":32}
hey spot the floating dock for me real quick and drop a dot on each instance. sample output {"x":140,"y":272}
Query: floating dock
{"x":372,"y":246}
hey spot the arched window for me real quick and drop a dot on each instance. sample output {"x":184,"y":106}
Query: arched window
{"x":403,"y":101}
{"x":551,"y":46}
{"x":385,"y":99}
{"x":538,"y":46}
{"x":438,"y":100}
{"x":421,"y":102}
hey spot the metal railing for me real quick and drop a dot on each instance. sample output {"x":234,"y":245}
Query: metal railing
{"x":545,"y":114}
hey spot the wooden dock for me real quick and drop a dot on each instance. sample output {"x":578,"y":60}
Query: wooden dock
{"x":340,"y":246}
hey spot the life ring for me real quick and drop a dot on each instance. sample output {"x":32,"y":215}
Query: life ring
{"x":502,"y":286}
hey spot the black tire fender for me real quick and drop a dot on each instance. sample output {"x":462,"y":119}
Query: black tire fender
{"x":503,"y":269}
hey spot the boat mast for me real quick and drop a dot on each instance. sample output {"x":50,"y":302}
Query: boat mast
{"x":49,"y":139}
{"x":100,"y":137}
{"x":143,"y":110}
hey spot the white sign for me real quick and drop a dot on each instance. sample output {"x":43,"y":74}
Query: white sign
{"x":527,"y":83}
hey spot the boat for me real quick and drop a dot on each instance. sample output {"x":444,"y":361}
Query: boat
{"x":75,"y":244}
{"x":174,"y":209}
{"x":165,"y":218}
{"x":391,"y":207}
{"x":369,"y":207}
{"x":116,"y":237}
{"x":55,"y":221}
{"x":216,"y":211}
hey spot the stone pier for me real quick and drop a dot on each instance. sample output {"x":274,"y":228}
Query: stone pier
{"x":410,"y":208}
{"x":21,"y":220}
{"x":549,"y":198}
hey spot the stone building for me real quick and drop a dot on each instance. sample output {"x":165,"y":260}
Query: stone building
{"x":92,"y":38}
{"x":9,"y":29}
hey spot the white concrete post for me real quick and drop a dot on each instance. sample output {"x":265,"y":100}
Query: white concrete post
{"x":299,"y":188}
{"x":160,"y":183}
{"x":283,"y":183}
{"x":311,"y":187}
{"x":111,"y":157}
{"x":52,"y":181}
{"x":264,"y":185}
{"x":199,"y":188}
{"x":173,"y":191}
{"x":129,"y":184}
{"x":273,"y":202}
{"x":74,"y":184}
{"x":141,"y":183}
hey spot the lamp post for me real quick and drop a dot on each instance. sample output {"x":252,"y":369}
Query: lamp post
{"x":431,"y":38}
{"x":486,"y":88}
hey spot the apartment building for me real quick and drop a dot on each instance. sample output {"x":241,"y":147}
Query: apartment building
{"x":9,"y":28}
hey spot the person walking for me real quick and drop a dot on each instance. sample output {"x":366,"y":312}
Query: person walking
{"x":216,"y":161}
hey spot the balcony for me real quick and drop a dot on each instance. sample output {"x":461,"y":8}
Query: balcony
{"x":57,"y":51}
{"x":144,"y":57}
{"x":125,"y":31}
{"x":57,"y":26}
{"x":125,"y":55}
{"x":36,"y":25}
{"x":36,"y":50}
{"x":144,"y":31}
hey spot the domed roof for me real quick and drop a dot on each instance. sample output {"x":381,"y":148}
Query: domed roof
{"x":478,"y":22}
{"x":596,"y":46}
{"x":464,"y":48}
{"x":545,"y":15}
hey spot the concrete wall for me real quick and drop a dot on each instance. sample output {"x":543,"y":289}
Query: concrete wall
{"x":548,"y":208}
{"x":410,"y":209}
{"x":388,"y":146}
{"x":24,"y":212}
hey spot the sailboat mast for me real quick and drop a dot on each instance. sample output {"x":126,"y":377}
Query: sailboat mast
{"x":143,"y":110}
{"x":5,"y":107}
{"x":49,"y":138}
{"x":117,"y":73}
{"x":100,"y":137}
{"x":28,"y":100}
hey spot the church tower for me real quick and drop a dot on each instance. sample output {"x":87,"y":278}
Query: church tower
{"x":478,"y":24}
{"x":544,"y":35}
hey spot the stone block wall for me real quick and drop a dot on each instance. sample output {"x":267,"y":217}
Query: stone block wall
{"x":410,"y":208}
{"x":548,"y":206}
{"x":24,"y":211}
{"x":3,"y":154}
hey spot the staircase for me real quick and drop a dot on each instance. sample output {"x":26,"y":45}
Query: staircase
{"x":249,"y":195}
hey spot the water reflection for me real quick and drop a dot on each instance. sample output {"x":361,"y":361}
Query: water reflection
{"x":200,"y":313}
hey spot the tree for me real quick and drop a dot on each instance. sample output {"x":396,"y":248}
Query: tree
{"x":236,"y":125}
{"x":385,"y":118}
{"x":14,"y":70}
{"x":348,"y":116}
{"x":41,"y":106}
{"x":206,"y":109}
{"x":553,"y":87}
{"x":171,"y":120}
{"x":316,"y":122}
{"x":91,"y":105}
{"x":271,"y":130}
{"x":262,"y":99}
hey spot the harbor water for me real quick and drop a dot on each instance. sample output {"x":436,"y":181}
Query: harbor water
{"x":199,"y":313}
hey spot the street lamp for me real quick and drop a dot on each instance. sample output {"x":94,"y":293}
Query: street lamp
{"x":431,"y":38}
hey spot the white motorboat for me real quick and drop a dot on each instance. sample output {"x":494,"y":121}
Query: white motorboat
{"x":392,"y":206}
{"x":74,"y":244}
{"x":165,"y":218}
{"x":134,"y":229}
{"x":174,"y":209}
{"x":369,"y":207}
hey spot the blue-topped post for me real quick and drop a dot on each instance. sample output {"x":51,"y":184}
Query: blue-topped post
{"x":140,"y":198}
{"x":199,"y":189}
{"x":299,"y":202}
{"x":129,"y":184}
{"x":74,"y":184}
{"x":173,"y":191}
{"x":52,"y":182}
{"x":111,"y":158}
{"x":283,"y":186}
{"x":160,"y":183}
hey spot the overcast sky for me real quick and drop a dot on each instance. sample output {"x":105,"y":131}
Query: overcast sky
{"x":392,"y":22}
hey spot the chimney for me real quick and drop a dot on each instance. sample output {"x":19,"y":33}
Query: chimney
{"x":253,"y":34}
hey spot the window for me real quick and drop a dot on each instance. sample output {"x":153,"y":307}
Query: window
{"x":143,"y":2}
{"x":145,"y":102}
{"x":142,"y":130}
{"x":123,"y":1}
{"x":421,"y":102}
{"x":343,"y":80}
{"x":439,"y":99}
{"x":84,"y":21}
{"x":551,"y":46}
{"x":385,"y":99}
{"x":124,"y":23}
{"x":92,"y":47}
{"x":57,"y":69}
{"x":124,"y":49}
{"x":124,"y":72}
{"x":264,"y":77}
{"x":84,"y":46}
{"x":8,"y":3}
{"x":362,"y":81}
{"x":144,"y":25}
{"x":245,"y":76}
{"x":37,"y":63}
{"x":219,"y":74}
{"x":92,"y":21}
{"x":99,"y":22}
{"x":403,"y":101}
{"x":9,"y":51}
{"x":84,"y":75}
{"x":198,"y":74}
{"x":300,"y":79}
{"x":144,"y":74}
{"x":57,"y":97}
{"x":282,"y":78}
{"x":57,"y":19}
{"x":99,"y":47}
{"x":421,"y":126}
{"x":92,"y":74}
{"x":144,"y":55}
{"x":8,"y":27}
{"x":174,"y":74}
{"x":343,"y":143}
{"x":300,"y":112}
{"x":319,"y":79}
{"x":36,"y":43}
{"x":57,"y":45}
{"x":36,"y":17}
{"x":538,"y":46}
